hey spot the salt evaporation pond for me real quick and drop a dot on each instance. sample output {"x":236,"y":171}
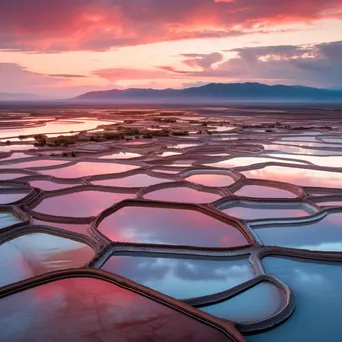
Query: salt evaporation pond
{"x":187,"y":217}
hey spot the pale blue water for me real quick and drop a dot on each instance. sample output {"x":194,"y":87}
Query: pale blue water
{"x":260,"y":191}
{"x":7,"y":219}
{"x":259,"y":211}
{"x":182,"y":278}
{"x":317,"y":287}
{"x":257,"y":303}
{"x":12,"y":195}
{"x":324,"y":235}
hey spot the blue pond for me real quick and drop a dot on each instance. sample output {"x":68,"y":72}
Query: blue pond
{"x":181,"y":277}
{"x":255,"y":304}
{"x":317,"y":290}
{"x":322,"y":235}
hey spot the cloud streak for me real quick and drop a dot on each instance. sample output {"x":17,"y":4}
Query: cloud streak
{"x":66,"y":75}
{"x":124,"y":74}
{"x":17,"y":79}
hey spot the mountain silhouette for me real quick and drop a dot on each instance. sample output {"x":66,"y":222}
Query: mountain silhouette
{"x":221,"y":91}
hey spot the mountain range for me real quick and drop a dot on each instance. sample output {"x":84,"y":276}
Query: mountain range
{"x":218,"y":91}
{"x":18,"y":97}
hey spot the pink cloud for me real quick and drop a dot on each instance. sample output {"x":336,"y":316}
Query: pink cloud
{"x":203,"y":61}
{"x":17,"y":79}
{"x":64,"y":25}
{"x":122,"y":74}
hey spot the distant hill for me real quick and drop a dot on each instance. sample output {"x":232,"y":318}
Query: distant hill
{"x":219,"y":91}
{"x":18,"y":97}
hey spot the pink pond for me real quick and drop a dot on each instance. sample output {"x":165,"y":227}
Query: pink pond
{"x":50,"y":185}
{"x":70,"y":227}
{"x":217,"y":180}
{"x":34,"y":163}
{"x":84,"y":169}
{"x":87,"y":309}
{"x":16,"y":155}
{"x":298,"y":176}
{"x":140,"y":180}
{"x":183,"y":195}
{"x":80,"y":204}
{"x":170,"y":226}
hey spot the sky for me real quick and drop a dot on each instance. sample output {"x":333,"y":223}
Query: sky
{"x":63,"y":48}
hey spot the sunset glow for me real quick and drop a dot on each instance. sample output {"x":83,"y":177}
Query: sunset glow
{"x":62,"y":48}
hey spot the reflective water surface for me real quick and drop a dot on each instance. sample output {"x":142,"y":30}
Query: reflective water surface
{"x":297,"y":176}
{"x":256,"y":211}
{"x":211,"y":179}
{"x":185,"y":145}
{"x":182,"y":194}
{"x":299,"y":138}
{"x":54,"y":126}
{"x":50,"y":185}
{"x":140,"y":180}
{"x":12,"y":196}
{"x":318,"y":301}
{"x":10,"y":176}
{"x":83,"y":169}
{"x":16,"y":155}
{"x":330,"y":203}
{"x":169,"y":226}
{"x":84,"y":180}
{"x":170,"y":171}
{"x":34,"y":163}
{"x":331,"y":161}
{"x":324,"y":235}
{"x":246,"y":161}
{"x":80,"y":204}
{"x":258,"y":191}
{"x":300,"y":152}
{"x":85,"y":309}
{"x":184,"y":277}
{"x":7,"y":219}
{"x":35,"y":254}
{"x":121,"y":155}
{"x":257,"y":303}
{"x":71,"y":227}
